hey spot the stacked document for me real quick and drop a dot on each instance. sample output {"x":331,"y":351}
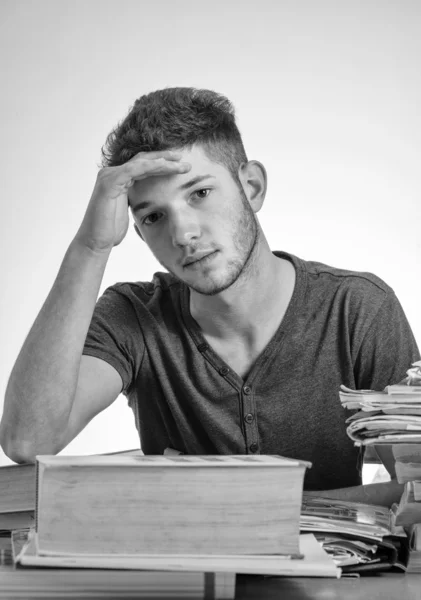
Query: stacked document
{"x":393,"y":416}
{"x":408,"y":471}
{"x":387,"y":417}
{"x":359,"y":537}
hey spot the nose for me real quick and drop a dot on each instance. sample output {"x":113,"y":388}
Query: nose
{"x":184,"y":228}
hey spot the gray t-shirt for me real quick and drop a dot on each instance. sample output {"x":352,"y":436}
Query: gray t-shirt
{"x":340,"y":327}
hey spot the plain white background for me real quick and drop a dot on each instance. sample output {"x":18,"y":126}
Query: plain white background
{"x":328,"y":98}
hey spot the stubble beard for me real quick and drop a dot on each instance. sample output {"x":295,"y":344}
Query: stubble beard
{"x":245,"y":240}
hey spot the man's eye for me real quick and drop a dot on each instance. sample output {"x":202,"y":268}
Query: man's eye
{"x":151,"y":219}
{"x":207,"y":190}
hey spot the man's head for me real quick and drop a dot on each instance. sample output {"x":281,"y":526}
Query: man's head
{"x":213,"y":217}
{"x":175,"y":119}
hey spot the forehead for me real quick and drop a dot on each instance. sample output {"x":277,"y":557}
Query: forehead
{"x":194,"y":153}
{"x":201,"y":164}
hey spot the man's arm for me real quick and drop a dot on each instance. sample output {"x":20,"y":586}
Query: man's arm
{"x":52,"y":391}
{"x":382,"y":494}
{"x":43,"y":381}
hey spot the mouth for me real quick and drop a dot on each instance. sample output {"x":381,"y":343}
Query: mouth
{"x":194,"y":261}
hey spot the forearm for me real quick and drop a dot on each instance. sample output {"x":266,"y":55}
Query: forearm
{"x":43,"y":382}
{"x":382,"y":494}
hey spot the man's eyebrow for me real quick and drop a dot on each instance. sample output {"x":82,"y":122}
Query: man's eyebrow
{"x":192,"y":182}
{"x":182,"y":187}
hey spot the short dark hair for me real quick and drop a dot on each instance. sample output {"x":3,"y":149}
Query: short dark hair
{"x":177,"y":118}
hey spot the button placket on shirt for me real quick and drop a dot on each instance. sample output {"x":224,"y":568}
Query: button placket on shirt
{"x":250,"y":426}
{"x":247,"y":401}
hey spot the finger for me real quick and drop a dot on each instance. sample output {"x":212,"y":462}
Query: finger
{"x":160,"y":166}
{"x":167,"y":154}
{"x":132,"y":171}
{"x":167,"y":169}
{"x":157,"y":171}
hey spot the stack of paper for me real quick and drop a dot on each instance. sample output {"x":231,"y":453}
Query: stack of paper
{"x":387,"y":417}
{"x":393,"y":416}
{"x":359,"y":537}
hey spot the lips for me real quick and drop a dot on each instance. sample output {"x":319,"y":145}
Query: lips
{"x":194,"y":258}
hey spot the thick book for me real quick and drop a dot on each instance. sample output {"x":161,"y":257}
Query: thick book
{"x":222,"y":505}
{"x":17,"y":485}
{"x":18,"y":493}
{"x":314,"y":561}
{"x":17,"y":520}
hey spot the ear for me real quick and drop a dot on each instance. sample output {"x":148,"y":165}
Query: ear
{"x":136,"y":228}
{"x":253,"y":178}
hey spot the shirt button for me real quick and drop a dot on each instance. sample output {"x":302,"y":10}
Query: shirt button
{"x":224,"y":370}
{"x":253,"y":447}
{"x":249,"y":418}
{"x":202,"y":347}
{"x":247,"y":389}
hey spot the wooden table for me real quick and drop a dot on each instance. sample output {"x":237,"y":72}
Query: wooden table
{"x":395,"y":586}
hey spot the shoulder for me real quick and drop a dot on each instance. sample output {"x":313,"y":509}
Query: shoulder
{"x":358,"y":296}
{"x":143,"y":292}
{"x":357,"y":290}
{"x":353,"y":284}
{"x":355,"y":281}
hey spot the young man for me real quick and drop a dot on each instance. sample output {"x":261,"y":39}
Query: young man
{"x":237,"y":349}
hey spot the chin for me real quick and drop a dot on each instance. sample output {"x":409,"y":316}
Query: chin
{"x":208,"y":289}
{"x":211,"y":286}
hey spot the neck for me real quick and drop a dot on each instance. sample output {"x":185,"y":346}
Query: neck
{"x":259,"y":296}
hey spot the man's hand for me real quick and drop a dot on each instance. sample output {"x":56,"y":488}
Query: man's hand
{"x":106,"y":219}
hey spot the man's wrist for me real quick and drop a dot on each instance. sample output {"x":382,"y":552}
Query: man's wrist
{"x":79,"y":246}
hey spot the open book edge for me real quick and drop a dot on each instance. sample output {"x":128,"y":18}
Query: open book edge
{"x":135,"y":460}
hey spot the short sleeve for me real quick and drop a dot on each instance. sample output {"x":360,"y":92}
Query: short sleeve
{"x":388,"y":347}
{"x":115,"y":336}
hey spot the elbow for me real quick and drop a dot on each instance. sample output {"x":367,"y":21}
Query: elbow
{"x":6,"y":442}
{"x":18,"y":452}
{"x":21,"y":450}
